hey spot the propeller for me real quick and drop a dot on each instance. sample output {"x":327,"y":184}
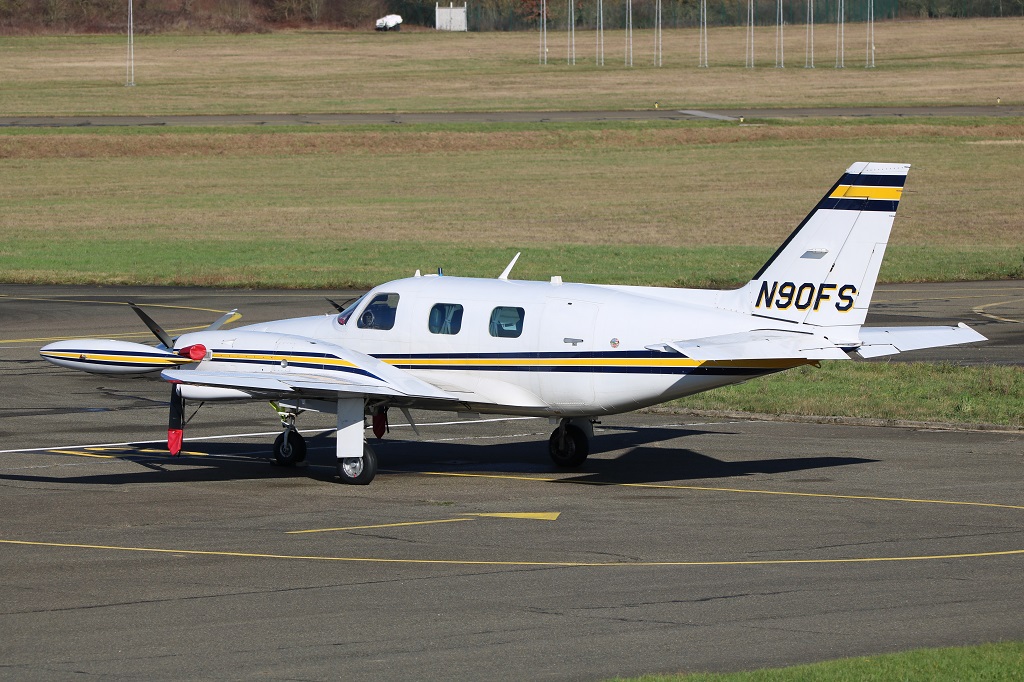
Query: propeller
{"x":165,"y":338}
{"x":175,"y":432}
{"x":175,"y":422}
{"x":341,"y":307}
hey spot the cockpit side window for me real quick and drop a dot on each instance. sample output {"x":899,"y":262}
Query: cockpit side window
{"x":507,"y":322}
{"x":379,"y":313}
{"x":445,"y":318}
{"x":345,"y":314}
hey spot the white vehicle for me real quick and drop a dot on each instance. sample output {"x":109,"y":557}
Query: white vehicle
{"x":391,"y":22}
{"x":572,"y":352}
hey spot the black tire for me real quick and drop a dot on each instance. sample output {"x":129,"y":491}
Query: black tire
{"x":358,"y":470}
{"x":293,"y":452}
{"x":574,"y":450}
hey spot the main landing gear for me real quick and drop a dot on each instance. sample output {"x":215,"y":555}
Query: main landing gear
{"x":290,"y":446}
{"x":569,"y":444}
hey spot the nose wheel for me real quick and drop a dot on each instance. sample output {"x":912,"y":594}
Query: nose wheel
{"x":568,"y":445}
{"x":290,"y":446}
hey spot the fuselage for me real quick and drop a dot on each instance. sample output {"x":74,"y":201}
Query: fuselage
{"x":544,"y":348}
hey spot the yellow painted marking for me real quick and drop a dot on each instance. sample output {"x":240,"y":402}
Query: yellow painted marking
{"x":277,"y":357}
{"x":536,"y":516}
{"x":130,"y":335}
{"x":663,"y":486}
{"x":82,"y":300}
{"x":860,"y":191}
{"x":79,"y":453}
{"x":381,"y":525}
{"x":466,"y":562}
{"x":980,"y":310}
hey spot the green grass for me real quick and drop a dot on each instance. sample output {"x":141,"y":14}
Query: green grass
{"x":665,"y":204}
{"x":1002,"y":662}
{"x":277,"y":262}
{"x":917,"y":391}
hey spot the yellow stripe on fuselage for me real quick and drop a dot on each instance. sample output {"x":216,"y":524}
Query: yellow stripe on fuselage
{"x":860,"y":191}
{"x":121,"y":359}
{"x":278,"y":357}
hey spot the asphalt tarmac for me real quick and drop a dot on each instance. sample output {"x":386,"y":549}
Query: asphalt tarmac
{"x":681,"y":545}
{"x":503,"y":116}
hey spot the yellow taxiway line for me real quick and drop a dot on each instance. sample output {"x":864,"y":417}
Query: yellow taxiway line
{"x":666,"y":486}
{"x":543,"y":564}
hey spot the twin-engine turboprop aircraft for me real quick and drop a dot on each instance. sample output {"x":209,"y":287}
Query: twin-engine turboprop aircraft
{"x":552,"y":349}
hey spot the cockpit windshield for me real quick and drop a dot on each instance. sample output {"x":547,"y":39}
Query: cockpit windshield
{"x":347,"y":312}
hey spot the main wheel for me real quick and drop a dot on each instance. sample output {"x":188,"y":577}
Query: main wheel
{"x":291,"y":450}
{"x":358,"y":470}
{"x":571,"y":450}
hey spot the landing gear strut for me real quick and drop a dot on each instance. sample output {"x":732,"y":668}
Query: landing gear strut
{"x":290,"y":446}
{"x":569,"y":444}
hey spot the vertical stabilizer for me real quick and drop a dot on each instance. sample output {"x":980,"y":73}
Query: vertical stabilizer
{"x":824,"y":273}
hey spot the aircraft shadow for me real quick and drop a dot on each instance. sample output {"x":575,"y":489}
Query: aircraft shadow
{"x":640,"y":461}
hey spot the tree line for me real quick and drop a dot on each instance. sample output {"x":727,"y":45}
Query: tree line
{"x":482,"y":15}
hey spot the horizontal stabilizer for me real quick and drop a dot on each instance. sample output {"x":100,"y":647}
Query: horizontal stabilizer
{"x":757,"y":345}
{"x":879,"y":341}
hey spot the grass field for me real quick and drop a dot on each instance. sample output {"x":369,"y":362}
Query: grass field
{"x":989,"y":662}
{"x":918,"y":62}
{"x":917,"y":391}
{"x":700,"y":204}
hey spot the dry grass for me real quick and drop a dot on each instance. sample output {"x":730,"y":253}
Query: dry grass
{"x":919,"y":62}
{"x":665,"y":185}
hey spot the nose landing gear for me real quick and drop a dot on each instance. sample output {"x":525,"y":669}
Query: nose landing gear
{"x":290,"y":446}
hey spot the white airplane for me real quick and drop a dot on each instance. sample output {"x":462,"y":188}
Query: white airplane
{"x":570,"y":352}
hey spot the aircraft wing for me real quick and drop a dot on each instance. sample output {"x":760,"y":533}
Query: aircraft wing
{"x":757,"y":345}
{"x":879,"y":341}
{"x":276,"y":366}
{"x":778,"y":344}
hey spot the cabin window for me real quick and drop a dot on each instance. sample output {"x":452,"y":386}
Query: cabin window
{"x":379,"y":313}
{"x":445,"y":318}
{"x":507,"y":322}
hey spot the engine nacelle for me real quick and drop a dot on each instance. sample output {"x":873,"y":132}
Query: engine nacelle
{"x":107,"y":356}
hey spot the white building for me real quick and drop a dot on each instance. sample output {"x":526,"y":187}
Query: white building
{"x":450,"y":18}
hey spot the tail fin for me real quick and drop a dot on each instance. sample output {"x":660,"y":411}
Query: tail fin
{"x":824,"y":273}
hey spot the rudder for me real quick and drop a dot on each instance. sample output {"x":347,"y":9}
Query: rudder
{"x":824,"y":273}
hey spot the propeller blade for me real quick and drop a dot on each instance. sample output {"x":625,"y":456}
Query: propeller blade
{"x":229,"y":316}
{"x":342,"y":307}
{"x":175,"y":431}
{"x":153,"y":326}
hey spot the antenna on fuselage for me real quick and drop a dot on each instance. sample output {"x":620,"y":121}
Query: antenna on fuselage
{"x":505,"y":273}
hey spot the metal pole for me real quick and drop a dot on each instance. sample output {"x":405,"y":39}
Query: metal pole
{"x":809,"y":37}
{"x":750,"y":34}
{"x":869,"y":60}
{"x":840,"y":35}
{"x":543,"y":31}
{"x":600,"y":33}
{"x":130,"y":76}
{"x":629,"y":32}
{"x":702,"y":47}
{"x":570,"y":55}
{"x":780,"y":50}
